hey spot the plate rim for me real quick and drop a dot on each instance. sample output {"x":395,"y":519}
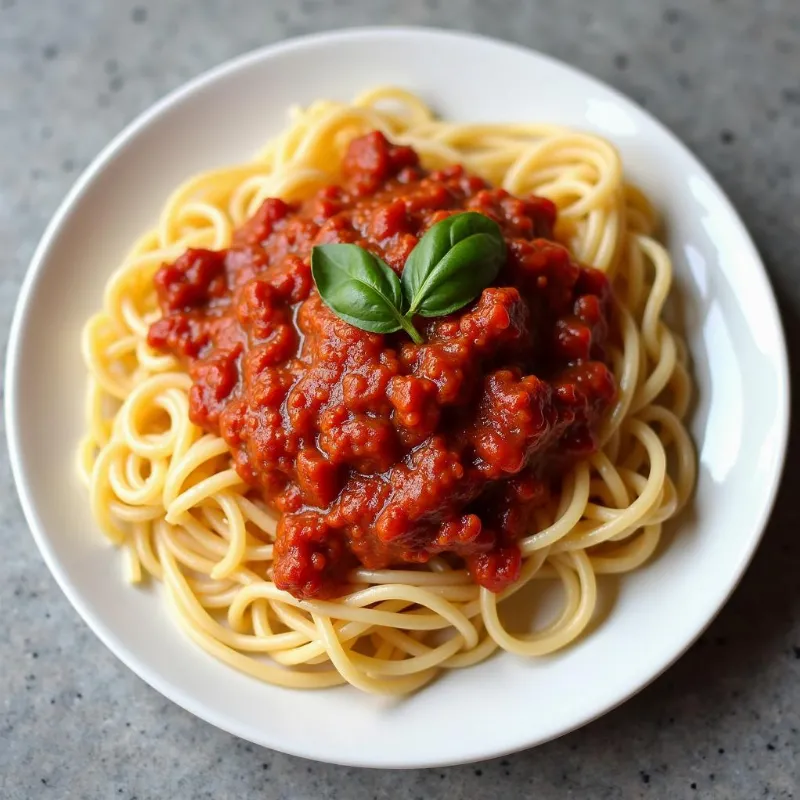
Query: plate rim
{"x":128,"y":133}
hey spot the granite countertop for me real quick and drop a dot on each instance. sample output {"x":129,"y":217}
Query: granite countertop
{"x":723,"y":723}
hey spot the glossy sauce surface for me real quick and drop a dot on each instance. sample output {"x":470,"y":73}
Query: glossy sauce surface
{"x":376,"y":450}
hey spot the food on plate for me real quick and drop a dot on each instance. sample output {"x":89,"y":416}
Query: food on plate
{"x":349,"y":397}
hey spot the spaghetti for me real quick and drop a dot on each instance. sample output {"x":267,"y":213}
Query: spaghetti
{"x":169,"y":494}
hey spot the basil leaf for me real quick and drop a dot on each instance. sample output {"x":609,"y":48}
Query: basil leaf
{"x":451,"y":263}
{"x":461,"y":275}
{"x":358,"y":287}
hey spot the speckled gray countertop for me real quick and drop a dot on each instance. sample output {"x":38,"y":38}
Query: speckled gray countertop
{"x":723,"y":723}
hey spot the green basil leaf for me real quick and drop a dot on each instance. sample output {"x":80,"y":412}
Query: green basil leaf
{"x":451,"y":263}
{"x":460,"y":276}
{"x":358,"y":287}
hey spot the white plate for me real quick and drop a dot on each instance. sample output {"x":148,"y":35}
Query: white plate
{"x":729,"y":316}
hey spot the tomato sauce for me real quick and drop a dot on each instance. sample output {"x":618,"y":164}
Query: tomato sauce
{"x":376,"y":450}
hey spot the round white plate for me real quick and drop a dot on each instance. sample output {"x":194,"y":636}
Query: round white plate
{"x":724,"y":300}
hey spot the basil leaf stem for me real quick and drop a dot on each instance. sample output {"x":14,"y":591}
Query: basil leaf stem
{"x":408,"y":327}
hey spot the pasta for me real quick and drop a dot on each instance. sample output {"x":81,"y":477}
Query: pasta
{"x":168,"y":494}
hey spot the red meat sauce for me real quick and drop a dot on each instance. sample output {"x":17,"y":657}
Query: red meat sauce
{"x":375,"y":450}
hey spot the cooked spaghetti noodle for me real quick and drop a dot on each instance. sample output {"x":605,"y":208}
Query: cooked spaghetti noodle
{"x":168,"y":493}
